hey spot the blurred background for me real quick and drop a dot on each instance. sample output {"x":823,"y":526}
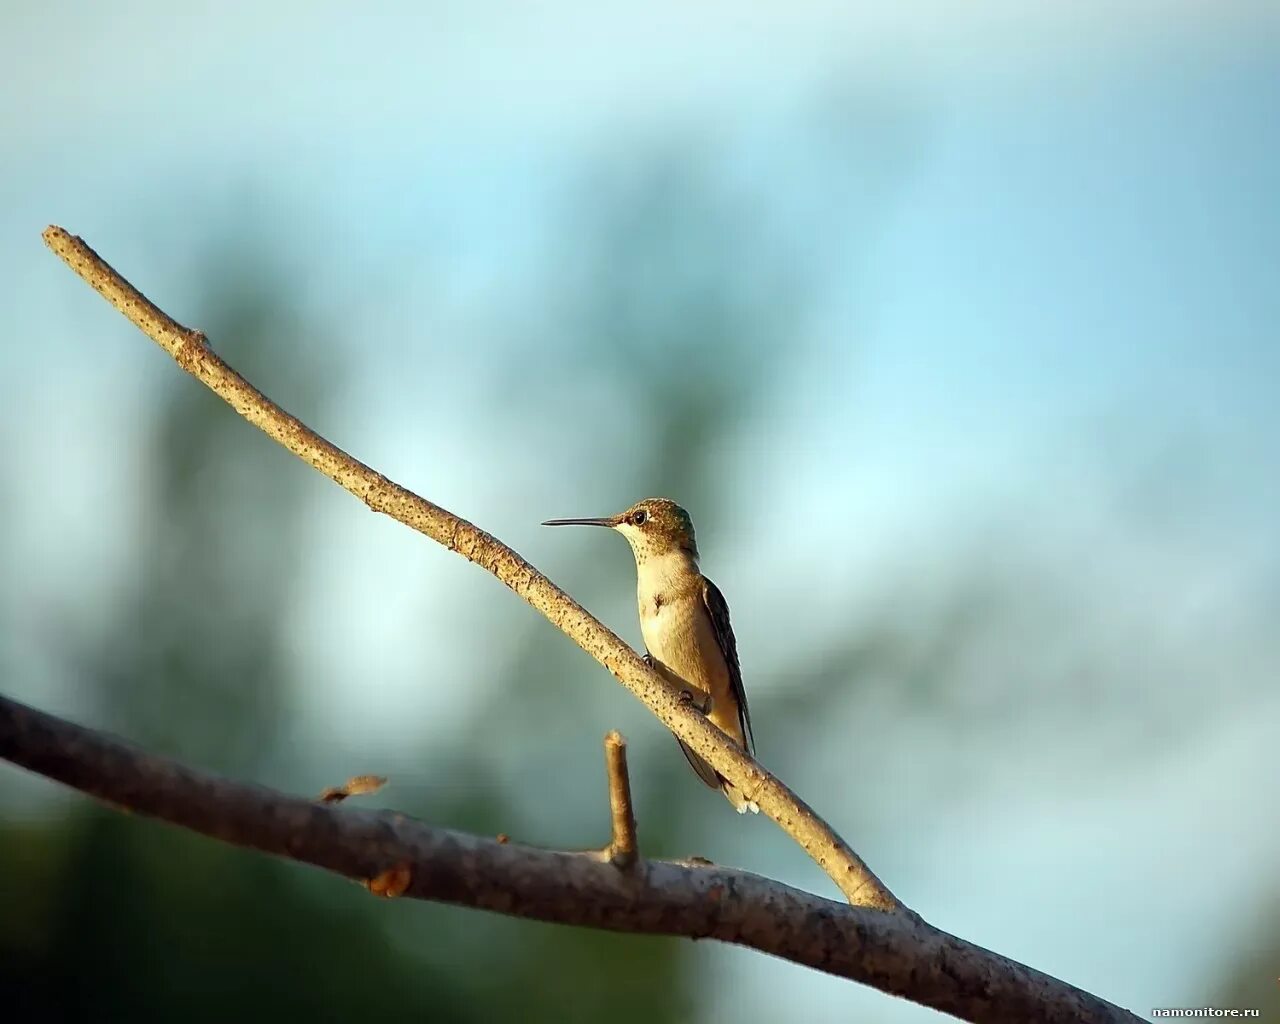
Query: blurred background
{"x":952,"y":325}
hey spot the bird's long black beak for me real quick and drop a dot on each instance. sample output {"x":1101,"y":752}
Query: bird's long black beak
{"x":609,"y":521}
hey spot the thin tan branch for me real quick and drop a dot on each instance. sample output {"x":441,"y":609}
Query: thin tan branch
{"x":623,"y":847}
{"x":191,"y":350}
{"x":394,"y":855}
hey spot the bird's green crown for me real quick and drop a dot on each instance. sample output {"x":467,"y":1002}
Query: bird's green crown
{"x":662,"y":524}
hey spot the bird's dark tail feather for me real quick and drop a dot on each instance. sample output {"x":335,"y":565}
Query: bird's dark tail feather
{"x":713,"y":779}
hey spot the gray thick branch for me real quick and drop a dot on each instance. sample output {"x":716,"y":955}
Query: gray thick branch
{"x":896,"y":953}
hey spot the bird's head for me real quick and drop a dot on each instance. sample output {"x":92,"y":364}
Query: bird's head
{"x":653,"y":527}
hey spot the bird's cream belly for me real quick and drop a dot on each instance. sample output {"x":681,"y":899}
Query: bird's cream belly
{"x":685,"y":647}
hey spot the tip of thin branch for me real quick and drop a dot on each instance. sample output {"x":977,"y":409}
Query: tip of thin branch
{"x":56,"y":238}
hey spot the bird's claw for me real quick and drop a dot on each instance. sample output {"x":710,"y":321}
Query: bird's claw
{"x":688,"y":700}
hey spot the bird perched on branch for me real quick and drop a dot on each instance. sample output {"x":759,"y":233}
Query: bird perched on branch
{"x":685,"y":623}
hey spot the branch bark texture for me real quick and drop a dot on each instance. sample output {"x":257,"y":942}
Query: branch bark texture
{"x":896,"y":953}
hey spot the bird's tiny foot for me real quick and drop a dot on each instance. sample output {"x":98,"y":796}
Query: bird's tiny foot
{"x":701,"y":705}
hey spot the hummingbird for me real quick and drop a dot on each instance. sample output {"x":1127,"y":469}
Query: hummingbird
{"x":685,"y":624}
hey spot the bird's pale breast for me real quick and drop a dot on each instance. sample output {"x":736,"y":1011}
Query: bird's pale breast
{"x":678,"y":633}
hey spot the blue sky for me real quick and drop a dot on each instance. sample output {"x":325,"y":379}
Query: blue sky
{"x":1040,"y":330}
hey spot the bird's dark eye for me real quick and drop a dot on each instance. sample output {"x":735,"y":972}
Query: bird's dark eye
{"x":640,"y":518}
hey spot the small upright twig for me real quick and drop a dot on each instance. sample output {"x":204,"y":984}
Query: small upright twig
{"x":622,"y":849}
